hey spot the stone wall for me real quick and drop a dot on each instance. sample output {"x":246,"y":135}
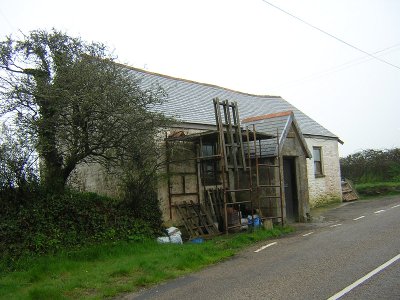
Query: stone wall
{"x":178,"y":152}
{"x":321,"y":190}
{"x":93,"y":177}
{"x":326,"y":188}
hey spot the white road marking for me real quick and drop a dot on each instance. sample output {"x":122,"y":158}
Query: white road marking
{"x":366,"y":277}
{"x":266,"y":246}
{"x":396,"y":206}
{"x":308,"y":233}
{"x":358,"y":218}
{"x":379,"y":211}
{"x":336,"y":225}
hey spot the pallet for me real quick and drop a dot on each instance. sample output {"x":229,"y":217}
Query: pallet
{"x":196,"y":220}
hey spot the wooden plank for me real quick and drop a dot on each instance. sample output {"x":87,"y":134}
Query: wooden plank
{"x":218,"y":205}
{"x":191,"y":219}
{"x":238,"y":132}
{"x":211,"y":204}
{"x":214,"y":229}
{"x":184,"y":218}
{"x":202,"y":220}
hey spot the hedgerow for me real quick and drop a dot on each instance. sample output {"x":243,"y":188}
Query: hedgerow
{"x":368,"y":166}
{"x":40,"y":223}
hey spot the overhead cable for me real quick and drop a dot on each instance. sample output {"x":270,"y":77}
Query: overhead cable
{"x":337,"y":68}
{"x":331,"y":35}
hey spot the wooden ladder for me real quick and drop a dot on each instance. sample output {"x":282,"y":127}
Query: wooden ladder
{"x":233,"y":160}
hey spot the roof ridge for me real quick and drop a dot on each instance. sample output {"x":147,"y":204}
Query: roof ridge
{"x":195,"y":82}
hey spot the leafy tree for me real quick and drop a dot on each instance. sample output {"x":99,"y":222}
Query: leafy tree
{"x":75,"y":103}
{"x":18,"y":162}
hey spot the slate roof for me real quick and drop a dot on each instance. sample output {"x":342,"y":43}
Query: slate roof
{"x":276,"y":124}
{"x":191,"y":102}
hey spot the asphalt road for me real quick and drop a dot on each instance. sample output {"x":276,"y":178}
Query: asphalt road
{"x":317,"y":262}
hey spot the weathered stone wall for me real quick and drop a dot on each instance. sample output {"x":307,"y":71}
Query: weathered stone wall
{"x":179,"y":152}
{"x":93,"y":177}
{"x":326,"y":188}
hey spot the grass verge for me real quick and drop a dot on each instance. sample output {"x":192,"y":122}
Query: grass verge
{"x":108,"y":270}
{"x":376,"y":189}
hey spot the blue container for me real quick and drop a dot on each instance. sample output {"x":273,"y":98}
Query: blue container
{"x":255,"y":220}
{"x":198,"y":240}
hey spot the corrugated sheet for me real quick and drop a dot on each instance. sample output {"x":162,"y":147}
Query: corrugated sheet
{"x":192,"y":102}
{"x":274,"y":126}
{"x":271,"y":125}
{"x":278,"y":125}
{"x":268,"y":148}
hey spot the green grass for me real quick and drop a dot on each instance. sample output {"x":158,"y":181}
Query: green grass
{"x":376,"y":189}
{"x":104,"y":271}
{"x":377,"y":184}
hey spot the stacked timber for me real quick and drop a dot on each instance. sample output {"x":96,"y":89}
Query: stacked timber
{"x":349,"y":192}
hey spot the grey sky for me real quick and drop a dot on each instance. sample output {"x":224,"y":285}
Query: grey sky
{"x":249,"y":46}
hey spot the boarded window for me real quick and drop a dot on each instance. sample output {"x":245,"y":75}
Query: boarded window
{"x":317,"y":155}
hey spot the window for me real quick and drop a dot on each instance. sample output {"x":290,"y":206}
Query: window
{"x":317,"y":154}
{"x":209,"y":166}
{"x":208,"y":150}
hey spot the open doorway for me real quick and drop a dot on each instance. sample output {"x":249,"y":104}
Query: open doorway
{"x":291,"y":197}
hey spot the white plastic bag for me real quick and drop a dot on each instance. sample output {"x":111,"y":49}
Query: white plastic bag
{"x":174,"y":236}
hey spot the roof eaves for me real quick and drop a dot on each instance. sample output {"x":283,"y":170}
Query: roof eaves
{"x":324,"y":137}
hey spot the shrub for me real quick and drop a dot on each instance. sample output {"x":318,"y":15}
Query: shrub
{"x":141,"y":198}
{"x":372,"y":166}
{"x":48,"y":223}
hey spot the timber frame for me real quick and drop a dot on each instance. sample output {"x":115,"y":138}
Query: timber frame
{"x":238,"y":165}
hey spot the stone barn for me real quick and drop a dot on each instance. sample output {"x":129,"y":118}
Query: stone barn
{"x":236,"y":153}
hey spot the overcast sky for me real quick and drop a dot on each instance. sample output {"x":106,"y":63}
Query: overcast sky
{"x":251,"y":46}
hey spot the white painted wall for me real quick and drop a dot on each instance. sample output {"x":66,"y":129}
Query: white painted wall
{"x":327,"y":188}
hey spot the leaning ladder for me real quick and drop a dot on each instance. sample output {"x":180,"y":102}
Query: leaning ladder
{"x":233,"y":159}
{"x":277,"y":186}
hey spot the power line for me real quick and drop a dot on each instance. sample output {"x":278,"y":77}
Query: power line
{"x":7,"y":21}
{"x":332,"y":36}
{"x":337,"y":68}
